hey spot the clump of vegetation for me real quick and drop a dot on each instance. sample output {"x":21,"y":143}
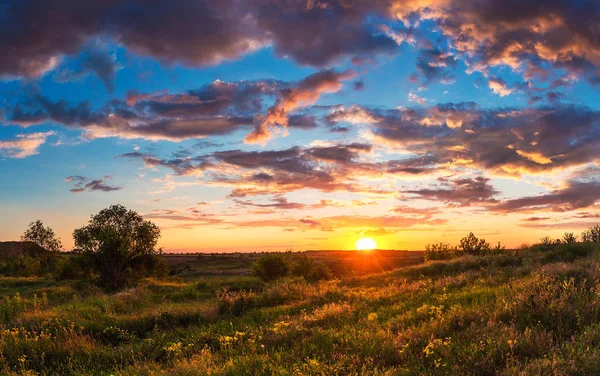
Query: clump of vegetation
{"x":272,"y":266}
{"x":439,"y":251}
{"x":469,"y":245}
{"x":121,"y":247}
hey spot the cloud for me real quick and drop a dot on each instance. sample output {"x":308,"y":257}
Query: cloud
{"x":215,"y":109}
{"x":83,"y":184}
{"x":458,"y":191}
{"x":218,"y":108}
{"x":503,"y":141}
{"x":306,"y":92}
{"x":376,"y":232}
{"x":412,"y":97}
{"x":327,"y":168}
{"x":499,"y":86}
{"x":576,"y":195}
{"x":24,"y":145}
{"x":36,"y":34}
{"x":320,"y":33}
{"x":96,"y":60}
{"x":435,"y":66}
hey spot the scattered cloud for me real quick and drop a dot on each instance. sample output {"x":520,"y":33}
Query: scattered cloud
{"x":83,"y":184}
{"x":24,"y":145}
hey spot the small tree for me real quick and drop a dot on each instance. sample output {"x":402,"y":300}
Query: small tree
{"x":42,"y":236}
{"x":591,"y":235}
{"x":546,"y":240}
{"x":569,"y":238}
{"x":472,"y":245}
{"x":119,"y":243}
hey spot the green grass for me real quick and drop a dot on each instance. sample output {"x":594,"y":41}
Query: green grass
{"x":526,"y":312}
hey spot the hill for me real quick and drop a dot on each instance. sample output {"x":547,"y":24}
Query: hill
{"x":12,"y":249}
{"x":534,"y":311}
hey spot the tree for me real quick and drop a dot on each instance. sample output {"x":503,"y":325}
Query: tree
{"x":591,"y":235}
{"x":546,"y":240}
{"x":472,"y":245}
{"x":569,"y":238}
{"x":42,"y":236}
{"x":117,"y":241}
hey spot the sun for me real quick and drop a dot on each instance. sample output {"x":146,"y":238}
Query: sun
{"x":365,"y":244}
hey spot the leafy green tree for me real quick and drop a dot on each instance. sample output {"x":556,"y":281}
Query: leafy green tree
{"x":42,"y":236}
{"x":472,"y":245}
{"x":118,"y":243}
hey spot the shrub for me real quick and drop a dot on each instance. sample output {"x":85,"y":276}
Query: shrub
{"x":546,"y":240}
{"x":472,"y":245}
{"x":569,"y":238}
{"x":120,"y":244}
{"x":271,"y":266}
{"x":276,"y":265}
{"x":439,"y":251}
{"x":318,"y":272}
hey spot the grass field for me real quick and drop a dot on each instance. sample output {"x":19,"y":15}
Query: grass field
{"x":514,"y":312}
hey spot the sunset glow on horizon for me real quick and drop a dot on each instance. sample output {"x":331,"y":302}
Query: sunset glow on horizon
{"x":266,"y":125}
{"x":365,"y":244}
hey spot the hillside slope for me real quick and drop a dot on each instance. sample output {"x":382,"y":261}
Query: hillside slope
{"x":526,"y":312}
{"x":11,"y":249}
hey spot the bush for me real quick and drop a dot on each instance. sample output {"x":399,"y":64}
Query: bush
{"x":276,"y":265}
{"x":439,"y":251}
{"x":319,"y":272}
{"x":569,"y":238}
{"x":271,"y":266}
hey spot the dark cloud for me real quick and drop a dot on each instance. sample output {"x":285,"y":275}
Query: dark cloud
{"x":35,"y":34}
{"x":324,"y":168}
{"x":504,"y":141}
{"x":435,"y":66}
{"x":215,"y":109}
{"x":546,"y":39}
{"x":305,"y":92}
{"x":94,"y":60}
{"x":320,"y":33}
{"x":576,"y":195}
{"x":83,"y":184}
{"x":458,"y":191}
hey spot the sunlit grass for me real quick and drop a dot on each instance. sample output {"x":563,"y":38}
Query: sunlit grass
{"x":531,"y":311}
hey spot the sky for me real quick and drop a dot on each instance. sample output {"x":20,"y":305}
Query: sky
{"x":257,"y":125}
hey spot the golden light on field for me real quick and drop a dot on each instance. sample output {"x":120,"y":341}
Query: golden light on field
{"x":365,"y":244}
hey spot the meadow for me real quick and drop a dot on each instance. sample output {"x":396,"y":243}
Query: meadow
{"x":530,"y":311}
